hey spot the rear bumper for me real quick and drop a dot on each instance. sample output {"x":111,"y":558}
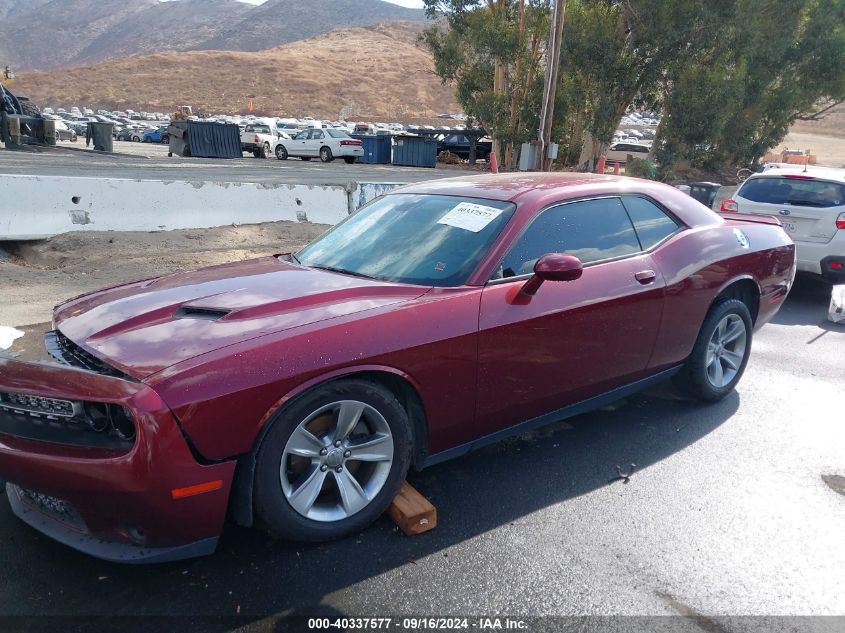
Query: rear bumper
{"x":113,"y":504}
{"x":821,"y":259}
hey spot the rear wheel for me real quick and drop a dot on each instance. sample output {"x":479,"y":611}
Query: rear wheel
{"x":720,"y":354}
{"x":265,"y":150}
{"x":332,"y":461}
{"x":326,"y":154}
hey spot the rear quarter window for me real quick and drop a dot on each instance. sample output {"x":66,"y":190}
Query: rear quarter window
{"x":793,"y":191}
{"x":652,"y":224}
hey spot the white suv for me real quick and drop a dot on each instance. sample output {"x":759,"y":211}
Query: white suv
{"x":810,"y":204}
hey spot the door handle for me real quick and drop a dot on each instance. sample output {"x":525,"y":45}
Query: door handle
{"x":645,"y":276}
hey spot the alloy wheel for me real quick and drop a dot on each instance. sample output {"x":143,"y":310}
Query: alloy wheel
{"x":726,"y":350}
{"x":336,"y":461}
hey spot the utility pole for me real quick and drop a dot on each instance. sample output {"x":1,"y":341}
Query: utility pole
{"x":550,"y":88}
{"x":500,"y":6}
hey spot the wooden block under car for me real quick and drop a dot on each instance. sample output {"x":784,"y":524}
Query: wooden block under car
{"x":412,"y":512}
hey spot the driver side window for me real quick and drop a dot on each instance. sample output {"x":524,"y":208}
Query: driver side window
{"x":591,"y":230}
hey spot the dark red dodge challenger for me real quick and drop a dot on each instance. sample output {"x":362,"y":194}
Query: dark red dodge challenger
{"x":296,"y":390}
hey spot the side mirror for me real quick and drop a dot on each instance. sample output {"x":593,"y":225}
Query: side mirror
{"x":553,"y":267}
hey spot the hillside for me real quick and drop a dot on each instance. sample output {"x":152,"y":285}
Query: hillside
{"x":377,"y":71}
{"x":41,"y":34}
{"x":281,"y":21}
{"x":165,"y":26}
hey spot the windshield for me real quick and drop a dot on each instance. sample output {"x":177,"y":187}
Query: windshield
{"x":412,"y":238}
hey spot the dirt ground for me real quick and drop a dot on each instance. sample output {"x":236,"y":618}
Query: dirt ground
{"x":37,"y":275}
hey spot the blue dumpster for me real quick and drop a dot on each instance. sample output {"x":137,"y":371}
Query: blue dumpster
{"x":415,"y":151}
{"x":376,"y":150}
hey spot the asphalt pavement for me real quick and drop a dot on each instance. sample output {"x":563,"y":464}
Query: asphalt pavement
{"x":726,"y":514}
{"x":150,"y":162}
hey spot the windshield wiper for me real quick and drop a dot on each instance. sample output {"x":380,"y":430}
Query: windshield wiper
{"x":295,"y":258}
{"x":342,"y":271}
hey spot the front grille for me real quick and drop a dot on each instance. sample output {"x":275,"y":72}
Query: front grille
{"x":66,"y":351}
{"x":51,"y":408}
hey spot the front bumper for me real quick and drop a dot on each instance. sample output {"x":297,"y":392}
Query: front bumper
{"x":115,"y":504}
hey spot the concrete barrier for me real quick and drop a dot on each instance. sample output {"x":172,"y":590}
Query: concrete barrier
{"x":37,"y":207}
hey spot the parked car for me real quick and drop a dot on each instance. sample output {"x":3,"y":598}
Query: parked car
{"x":458,"y":144}
{"x":64,"y":133}
{"x":259,"y":138}
{"x":810,"y":204}
{"x":328,"y":144}
{"x":413,"y":332}
{"x":157,"y":135}
{"x":127,"y":134}
{"x":619,"y":152}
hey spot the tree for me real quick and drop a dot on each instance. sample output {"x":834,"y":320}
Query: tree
{"x":780,"y":61}
{"x":484,"y":37}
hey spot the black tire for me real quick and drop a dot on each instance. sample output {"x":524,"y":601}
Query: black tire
{"x":266,"y":151}
{"x":281,"y":152}
{"x":256,"y":153}
{"x":271,"y":504}
{"x":73,"y":137}
{"x":350,"y":160}
{"x":693,"y":379}
{"x":326,"y":154}
{"x":305,"y":158}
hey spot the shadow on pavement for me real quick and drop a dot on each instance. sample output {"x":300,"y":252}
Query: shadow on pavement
{"x":807,"y":304}
{"x":252,"y":577}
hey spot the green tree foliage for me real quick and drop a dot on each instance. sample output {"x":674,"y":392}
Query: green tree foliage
{"x":480,"y":34}
{"x":779,"y":61}
{"x":731,"y":76}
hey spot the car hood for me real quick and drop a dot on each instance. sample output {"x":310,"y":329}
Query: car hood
{"x":143,"y":327}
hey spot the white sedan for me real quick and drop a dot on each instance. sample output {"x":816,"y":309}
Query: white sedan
{"x":327,"y":143}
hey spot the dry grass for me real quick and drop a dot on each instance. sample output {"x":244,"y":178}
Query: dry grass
{"x":379,"y":71}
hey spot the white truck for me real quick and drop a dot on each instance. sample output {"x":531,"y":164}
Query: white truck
{"x":259,"y":138}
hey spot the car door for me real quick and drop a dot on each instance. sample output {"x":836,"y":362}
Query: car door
{"x":296,"y":147}
{"x":571,"y":340}
{"x":316,"y":139}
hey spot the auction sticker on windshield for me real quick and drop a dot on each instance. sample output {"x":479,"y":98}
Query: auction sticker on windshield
{"x":470,"y":216}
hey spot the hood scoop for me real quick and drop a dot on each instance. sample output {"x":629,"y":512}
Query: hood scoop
{"x":207,"y":314}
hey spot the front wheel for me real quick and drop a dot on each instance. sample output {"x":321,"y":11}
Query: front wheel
{"x":281,"y":152}
{"x":332,"y":461}
{"x":720,"y":354}
{"x":326,"y":155}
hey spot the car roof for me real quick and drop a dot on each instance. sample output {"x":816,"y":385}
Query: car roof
{"x":534,"y":190}
{"x":773,"y":170}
